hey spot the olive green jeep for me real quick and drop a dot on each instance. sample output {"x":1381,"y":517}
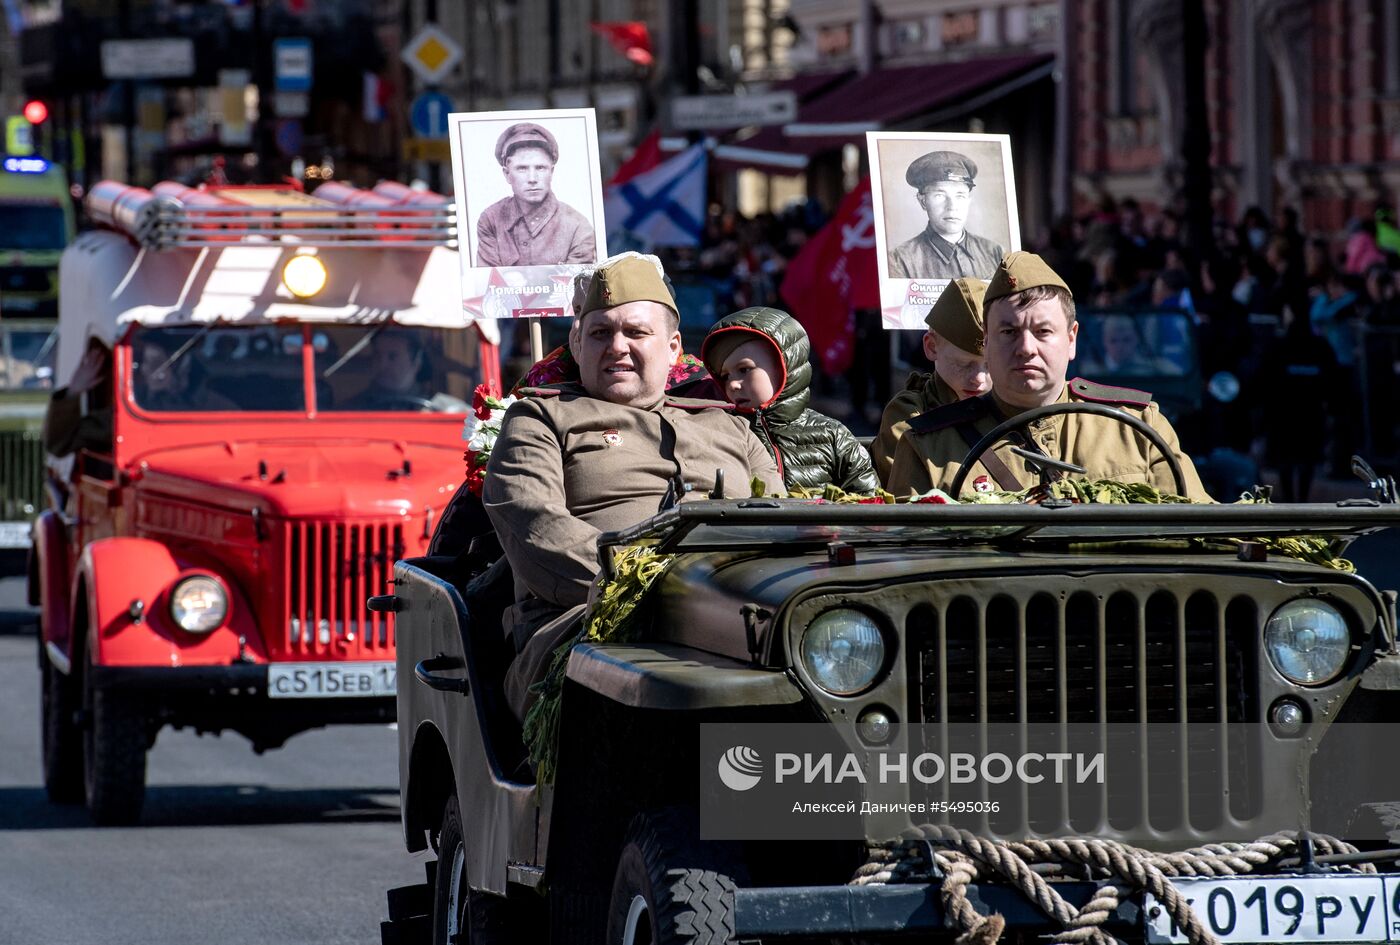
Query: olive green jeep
{"x":27,"y":349}
{"x":863,"y":628}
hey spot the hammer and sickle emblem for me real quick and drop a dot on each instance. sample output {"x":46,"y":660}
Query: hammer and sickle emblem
{"x":861,"y":234}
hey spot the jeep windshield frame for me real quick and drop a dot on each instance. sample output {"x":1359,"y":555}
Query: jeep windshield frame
{"x":715,"y":525}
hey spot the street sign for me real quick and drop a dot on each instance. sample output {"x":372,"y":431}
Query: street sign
{"x":288,"y":136}
{"x":703,"y":112}
{"x":427,"y":149}
{"x":428,"y":115}
{"x":431,"y":54}
{"x":291,"y":104}
{"x":19,"y":136}
{"x":147,"y":58}
{"x":291,"y":58}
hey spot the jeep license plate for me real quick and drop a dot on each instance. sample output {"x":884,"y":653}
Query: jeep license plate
{"x":330,"y":680}
{"x":1313,"y":908}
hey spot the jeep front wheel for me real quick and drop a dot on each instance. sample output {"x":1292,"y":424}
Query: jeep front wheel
{"x":61,"y":739}
{"x":114,"y":755}
{"x":462,"y":916}
{"x":661,"y":896}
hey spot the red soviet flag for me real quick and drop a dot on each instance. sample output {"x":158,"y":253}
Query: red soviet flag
{"x":629,"y":37}
{"x":833,"y":275}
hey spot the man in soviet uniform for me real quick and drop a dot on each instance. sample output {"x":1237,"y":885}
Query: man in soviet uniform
{"x":953,"y":343}
{"x":575,"y":460}
{"x":1030,"y":340}
{"x":943,"y":182}
{"x":531,"y":227}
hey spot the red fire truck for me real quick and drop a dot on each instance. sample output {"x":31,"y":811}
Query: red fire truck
{"x":285,"y":378}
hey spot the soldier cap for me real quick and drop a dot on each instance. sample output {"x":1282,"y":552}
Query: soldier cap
{"x":525,"y":134}
{"x":941,"y":166}
{"x":633,"y":278}
{"x":957,"y":315}
{"x":1018,"y":272}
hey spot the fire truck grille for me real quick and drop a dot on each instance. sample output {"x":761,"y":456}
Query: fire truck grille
{"x":1059,"y":658}
{"x":332,"y":569}
{"x":21,"y":474}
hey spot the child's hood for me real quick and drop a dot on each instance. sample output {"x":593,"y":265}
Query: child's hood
{"x":788,"y":336}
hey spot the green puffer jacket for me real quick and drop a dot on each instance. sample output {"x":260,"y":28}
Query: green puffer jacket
{"x":811,"y":449}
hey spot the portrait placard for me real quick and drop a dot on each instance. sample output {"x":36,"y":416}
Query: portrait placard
{"x":945,"y":208}
{"x":529,"y":193}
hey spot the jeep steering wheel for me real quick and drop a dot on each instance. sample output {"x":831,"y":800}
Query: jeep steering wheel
{"x":1000,"y":432}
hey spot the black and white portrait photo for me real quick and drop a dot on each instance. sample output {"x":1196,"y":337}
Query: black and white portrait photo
{"x":945,"y":208}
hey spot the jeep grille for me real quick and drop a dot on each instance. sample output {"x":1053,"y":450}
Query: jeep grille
{"x":332,"y":569}
{"x":1151,"y":653}
{"x":21,"y":474}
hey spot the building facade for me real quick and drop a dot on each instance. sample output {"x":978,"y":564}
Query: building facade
{"x":1303,"y":103}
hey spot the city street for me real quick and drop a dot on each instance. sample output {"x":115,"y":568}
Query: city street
{"x":297,"y":845}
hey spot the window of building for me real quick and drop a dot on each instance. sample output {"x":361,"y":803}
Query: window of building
{"x":1124,"y":88}
{"x":907,"y":36}
{"x":834,"y":40}
{"x":961,"y":27}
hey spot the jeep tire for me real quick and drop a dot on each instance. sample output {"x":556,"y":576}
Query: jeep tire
{"x":59,"y":734}
{"x":461,"y":915}
{"x":115,"y":740}
{"x":662,"y":894}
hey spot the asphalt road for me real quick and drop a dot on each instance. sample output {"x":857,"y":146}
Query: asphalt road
{"x":295,"y":846}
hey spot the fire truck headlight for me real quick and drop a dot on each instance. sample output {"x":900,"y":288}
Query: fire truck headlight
{"x":304,"y":276}
{"x":199,"y":604}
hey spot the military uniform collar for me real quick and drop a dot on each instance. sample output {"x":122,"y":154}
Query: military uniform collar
{"x":535,"y":217}
{"x":945,"y":249}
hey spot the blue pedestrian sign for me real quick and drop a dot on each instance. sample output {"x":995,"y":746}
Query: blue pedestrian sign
{"x":291,"y":59}
{"x":428,"y":115}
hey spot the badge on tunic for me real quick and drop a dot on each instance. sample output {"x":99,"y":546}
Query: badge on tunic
{"x":982,"y":484}
{"x":612,"y":438}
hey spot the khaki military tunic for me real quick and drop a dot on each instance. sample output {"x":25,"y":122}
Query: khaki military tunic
{"x":1105,"y":448}
{"x":568,"y":467}
{"x":922,"y":393}
{"x":510,"y":233}
{"x":930,"y":256}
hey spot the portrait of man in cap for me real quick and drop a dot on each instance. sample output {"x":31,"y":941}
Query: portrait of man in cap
{"x":944,"y":184}
{"x":532,"y":227}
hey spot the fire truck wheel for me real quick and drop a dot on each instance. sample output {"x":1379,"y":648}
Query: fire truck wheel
{"x":62,"y":741}
{"x":462,"y":916}
{"x":661,"y":896}
{"x":114,"y":755}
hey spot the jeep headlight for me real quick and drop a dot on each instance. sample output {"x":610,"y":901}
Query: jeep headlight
{"x":1307,"y":641}
{"x":843,"y":651}
{"x":198,"y":604}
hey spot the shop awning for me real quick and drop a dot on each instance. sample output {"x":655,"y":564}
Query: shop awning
{"x":842,"y":107}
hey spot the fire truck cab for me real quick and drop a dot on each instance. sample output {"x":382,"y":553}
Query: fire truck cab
{"x":286,"y":377}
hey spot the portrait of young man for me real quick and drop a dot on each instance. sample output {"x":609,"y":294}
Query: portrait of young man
{"x":945,"y":185}
{"x":532,"y":226}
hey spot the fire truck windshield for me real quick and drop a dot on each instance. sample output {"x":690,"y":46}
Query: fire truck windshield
{"x":218,"y":368}
{"x":395,"y":368}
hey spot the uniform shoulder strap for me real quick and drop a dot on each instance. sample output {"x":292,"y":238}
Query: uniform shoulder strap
{"x":949,"y":415}
{"x":1104,"y":394}
{"x":544,"y":392}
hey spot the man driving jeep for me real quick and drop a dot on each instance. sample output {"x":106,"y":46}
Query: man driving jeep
{"x":1030,"y":339}
{"x":575,"y":460}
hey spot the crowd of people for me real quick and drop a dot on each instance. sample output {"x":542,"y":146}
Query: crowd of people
{"x":1298,"y":332}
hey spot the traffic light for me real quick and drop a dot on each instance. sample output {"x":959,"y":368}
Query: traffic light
{"x":36,"y":112}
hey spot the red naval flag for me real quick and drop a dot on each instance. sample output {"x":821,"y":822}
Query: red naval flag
{"x":647,"y":156}
{"x":833,"y":275}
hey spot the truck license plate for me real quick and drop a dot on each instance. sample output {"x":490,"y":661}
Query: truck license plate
{"x":1350,"y":908}
{"x":14,"y":534}
{"x":330,"y":680}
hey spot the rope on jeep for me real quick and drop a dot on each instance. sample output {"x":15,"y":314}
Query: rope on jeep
{"x":963,"y":857}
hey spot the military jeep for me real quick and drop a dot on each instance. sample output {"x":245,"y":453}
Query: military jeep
{"x":856,"y":625}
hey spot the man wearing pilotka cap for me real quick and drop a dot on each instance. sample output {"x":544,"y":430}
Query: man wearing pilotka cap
{"x":577,"y":459}
{"x":943,"y":182}
{"x":1030,"y":340}
{"x":531,"y":227}
{"x":953,"y":343}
